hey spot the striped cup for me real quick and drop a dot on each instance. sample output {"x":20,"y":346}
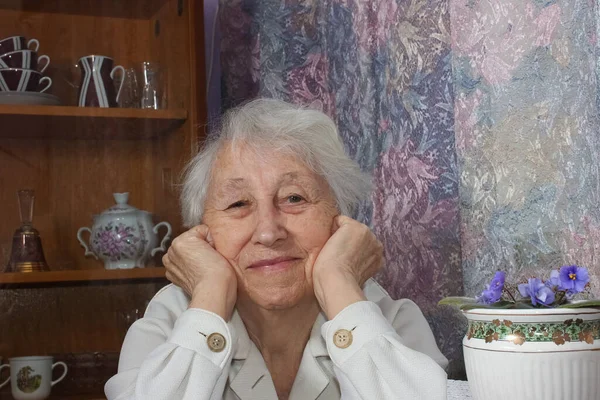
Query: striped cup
{"x":25,"y":59}
{"x":23,"y":80}
{"x":15,"y":43}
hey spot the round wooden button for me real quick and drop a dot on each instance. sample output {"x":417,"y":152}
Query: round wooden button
{"x":342,"y":338}
{"x":216,"y":342}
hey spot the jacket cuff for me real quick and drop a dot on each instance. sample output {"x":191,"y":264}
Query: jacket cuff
{"x":363,"y":320}
{"x":192,"y":330}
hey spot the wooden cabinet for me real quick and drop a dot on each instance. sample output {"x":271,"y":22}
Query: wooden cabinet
{"x":76,"y":157}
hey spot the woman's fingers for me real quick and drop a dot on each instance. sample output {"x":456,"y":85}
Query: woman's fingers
{"x":354,"y":248}
{"x":192,"y":260}
{"x":171,"y":269}
{"x":195,"y":233}
{"x":181,"y":244}
{"x":210,"y":240}
{"x":200,"y":231}
{"x":169,"y":276}
{"x":340,"y":221}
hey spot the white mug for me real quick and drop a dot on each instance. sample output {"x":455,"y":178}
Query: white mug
{"x":31,"y":377}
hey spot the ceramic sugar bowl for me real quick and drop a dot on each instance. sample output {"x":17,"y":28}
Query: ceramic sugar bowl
{"x":123,"y":236}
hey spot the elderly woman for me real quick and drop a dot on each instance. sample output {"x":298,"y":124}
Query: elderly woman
{"x":271,"y":295}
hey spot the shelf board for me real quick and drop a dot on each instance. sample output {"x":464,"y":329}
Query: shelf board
{"x":138,"y":9}
{"x":84,"y":275}
{"x":67,"y":122}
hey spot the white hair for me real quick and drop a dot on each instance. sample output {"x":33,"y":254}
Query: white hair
{"x":267,"y":126}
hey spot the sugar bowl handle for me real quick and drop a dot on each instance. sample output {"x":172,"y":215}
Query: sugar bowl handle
{"x":84,"y":244}
{"x":165,"y":239}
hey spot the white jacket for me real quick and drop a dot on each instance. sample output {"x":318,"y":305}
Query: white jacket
{"x":393,"y":355}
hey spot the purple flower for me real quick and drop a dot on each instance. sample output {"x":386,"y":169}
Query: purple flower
{"x":554,"y":279}
{"x":497,"y":283}
{"x":537,"y":291}
{"x":573,"y":279}
{"x":488,"y":297}
{"x":493,"y":291}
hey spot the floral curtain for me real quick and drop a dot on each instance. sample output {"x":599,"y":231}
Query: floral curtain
{"x":475,"y":118}
{"x":526,"y":136}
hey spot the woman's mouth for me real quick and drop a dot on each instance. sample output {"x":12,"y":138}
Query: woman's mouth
{"x":273,"y":264}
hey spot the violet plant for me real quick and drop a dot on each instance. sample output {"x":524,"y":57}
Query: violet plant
{"x":560,"y":290}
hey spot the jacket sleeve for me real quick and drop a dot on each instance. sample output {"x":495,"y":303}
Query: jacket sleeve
{"x":166,"y":355}
{"x":392,"y":353}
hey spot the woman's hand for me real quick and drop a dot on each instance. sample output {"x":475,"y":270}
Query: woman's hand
{"x":193,"y":264}
{"x":350,"y":257}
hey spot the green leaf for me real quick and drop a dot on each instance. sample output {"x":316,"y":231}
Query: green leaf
{"x":469,"y":303}
{"x":499,"y":305}
{"x":457,"y":302}
{"x":466,"y":307}
{"x":523,"y":304}
{"x":581,"y":304}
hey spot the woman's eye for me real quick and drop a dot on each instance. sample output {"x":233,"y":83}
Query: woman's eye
{"x":295,"y":198}
{"x":237,"y":204}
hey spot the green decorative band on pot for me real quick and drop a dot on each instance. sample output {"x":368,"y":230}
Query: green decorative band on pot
{"x":570,"y":330}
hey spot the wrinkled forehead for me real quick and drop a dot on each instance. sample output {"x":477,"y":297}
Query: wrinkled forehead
{"x":239,"y":156}
{"x":240,"y":165}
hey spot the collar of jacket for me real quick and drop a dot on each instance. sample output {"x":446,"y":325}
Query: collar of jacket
{"x":254,"y":381}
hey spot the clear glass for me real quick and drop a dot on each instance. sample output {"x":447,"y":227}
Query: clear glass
{"x":152,"y":91}
{"x":130,"y":94}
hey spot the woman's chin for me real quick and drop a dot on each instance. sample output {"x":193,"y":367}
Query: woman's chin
{"x":278,"y":295}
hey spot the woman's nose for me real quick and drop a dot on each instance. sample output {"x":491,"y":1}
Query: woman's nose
{"x":270,"y":227}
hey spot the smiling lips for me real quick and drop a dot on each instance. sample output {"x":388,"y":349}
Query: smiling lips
{"x":273,"y":264}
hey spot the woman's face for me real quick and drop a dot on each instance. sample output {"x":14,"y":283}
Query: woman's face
{"x":269,"y":216}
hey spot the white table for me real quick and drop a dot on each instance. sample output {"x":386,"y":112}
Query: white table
{"x":458,"y":390}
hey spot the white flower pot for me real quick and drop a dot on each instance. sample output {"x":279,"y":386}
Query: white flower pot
{"x":549,"y":354}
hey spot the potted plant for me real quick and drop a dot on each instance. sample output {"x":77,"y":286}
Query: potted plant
{"x":536,"y":340}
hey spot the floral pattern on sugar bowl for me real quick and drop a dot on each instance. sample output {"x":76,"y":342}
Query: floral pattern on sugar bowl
{"x":117,"y":241}
{"x":123,"y":236}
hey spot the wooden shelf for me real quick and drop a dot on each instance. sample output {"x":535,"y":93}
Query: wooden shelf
{"x":139,"y":9}
{"x":67,"y":122}
{"x":85,"y":275}
{"x":75,"y":158}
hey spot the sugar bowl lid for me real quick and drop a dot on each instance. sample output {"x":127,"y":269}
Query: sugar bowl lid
{"x":121,"y":207}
